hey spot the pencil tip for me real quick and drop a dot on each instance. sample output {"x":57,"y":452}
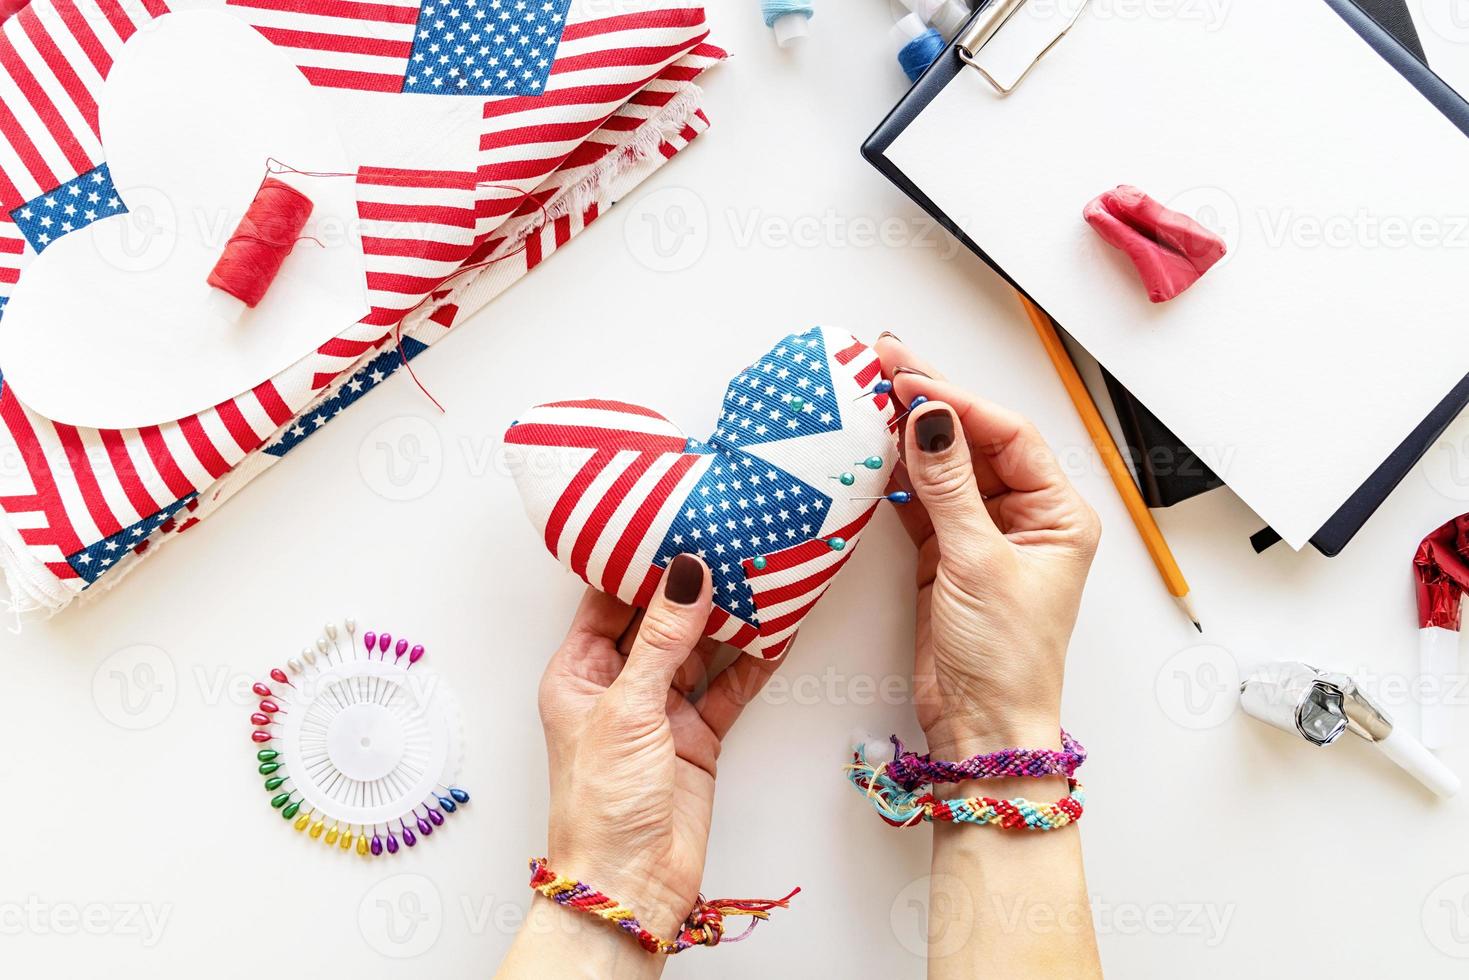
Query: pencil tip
{"x":1198,"y":627}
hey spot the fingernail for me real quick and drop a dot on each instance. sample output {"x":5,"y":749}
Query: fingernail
{"x":889,"y":333}
{"x":908,"y":370}
{"x":684,"y":581}
{"x":935,"y":430}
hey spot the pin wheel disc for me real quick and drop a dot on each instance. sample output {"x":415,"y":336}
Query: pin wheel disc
{"x":370,"y":741}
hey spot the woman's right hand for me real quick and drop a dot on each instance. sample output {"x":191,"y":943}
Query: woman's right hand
{"x":1004,"y":545}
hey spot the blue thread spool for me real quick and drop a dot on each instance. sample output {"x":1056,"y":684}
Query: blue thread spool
{"x":918,"y":46}
{"x":789,"y":19}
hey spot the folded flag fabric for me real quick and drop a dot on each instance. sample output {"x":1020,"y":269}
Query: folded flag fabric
{"x":614,"y":100}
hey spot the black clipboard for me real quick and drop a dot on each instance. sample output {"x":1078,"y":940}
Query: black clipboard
{"x":1361,"y":505}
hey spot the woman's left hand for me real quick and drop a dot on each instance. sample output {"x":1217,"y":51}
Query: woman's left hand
{"x":632,"y":758}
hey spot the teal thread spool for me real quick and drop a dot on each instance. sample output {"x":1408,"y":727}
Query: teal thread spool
{"x":789,"y":19}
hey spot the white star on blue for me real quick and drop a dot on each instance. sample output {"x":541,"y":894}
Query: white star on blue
{"x":485,"y":47}
{"x":97,"y":558}
{"x":363,"y":380}
{"x":72,"y":206}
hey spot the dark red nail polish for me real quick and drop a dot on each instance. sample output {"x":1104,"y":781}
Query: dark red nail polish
{"x":935,"y":430}
{"x":684,"y":580}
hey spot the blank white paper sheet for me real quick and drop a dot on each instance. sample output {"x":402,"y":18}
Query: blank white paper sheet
{"x":1340,"y":315}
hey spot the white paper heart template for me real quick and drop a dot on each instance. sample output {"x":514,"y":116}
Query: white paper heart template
{"x":113,"y":325}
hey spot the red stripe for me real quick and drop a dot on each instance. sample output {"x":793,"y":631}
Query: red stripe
{"x":413,"y":248}
{"x":642,"y":519}
{"x":563,"y":230}
{"x":677,"y":17}
{"x":9,"y":275}
{"x":399,"y":177}
{"x":426,"y":214}
{"x":203,"y":448}
{"x":345,"y":9}
{"x":795,"y":590}
{"x":572,"y":495}
{"x":163,"y":461}
{"x":807,"y":550}
{"x":86,"y":480}
{"x":744,"y":637}
{"x":868,"y":373}
{"x":770,"y":653}
{"x":619,"y":57}
{"x":239,"y":429}
{"x":62,"y":570}
{"x":645,"y":591}
{"x":76,"y":23}
{"x":591,"y":437}
{"x":340,"y":347}
{"x":10,"y":197}
{"x":525,"y":135}
{"x":47,"y":498}
{"x":43,"y":107}
{"x":362,"y":81}
{"x":608,"y":405}
{"x":610,"y":94}
{"x":155,"y":7}
{"x":270,"y":399}
{"x":346,"y":43}
{"x":127,"y":474}
{"x":596,"y":522}
{"x":846,"y":355}
{"x":26,"y":150}
{"x":397,"y":282}
{"x":117,"y":17}
{"x":59,"y":66}
{"x":795,"y":616}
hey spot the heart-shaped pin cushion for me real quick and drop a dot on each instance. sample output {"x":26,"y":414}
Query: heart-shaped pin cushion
{"x":774,"y":501}
{"x":113,"y":325}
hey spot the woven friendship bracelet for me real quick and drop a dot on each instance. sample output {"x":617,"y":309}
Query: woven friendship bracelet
{"x":906,"y":808}
{"x":911,"y":770}
{"x":703,"y":927}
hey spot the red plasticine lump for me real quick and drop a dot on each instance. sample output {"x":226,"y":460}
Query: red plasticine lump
{"x":1171,"y":251}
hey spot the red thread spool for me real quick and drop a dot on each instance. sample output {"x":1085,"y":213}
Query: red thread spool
{"x":256,"y":251}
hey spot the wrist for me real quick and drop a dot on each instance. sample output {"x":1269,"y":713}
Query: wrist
{"x":628,"y":881}
{"x":954,"y":739}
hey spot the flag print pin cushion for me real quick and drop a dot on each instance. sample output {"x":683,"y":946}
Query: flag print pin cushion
{"x":774,"y":501}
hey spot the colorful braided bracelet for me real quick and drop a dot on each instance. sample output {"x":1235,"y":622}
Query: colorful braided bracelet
{"x":703,"y":927}
{"x":911,"y":770}
{"x":906,"y":808}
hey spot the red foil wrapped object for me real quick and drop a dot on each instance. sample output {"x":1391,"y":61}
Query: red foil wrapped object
{"x":1442,"y":569}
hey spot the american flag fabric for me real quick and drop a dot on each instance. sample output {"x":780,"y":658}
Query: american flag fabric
{"x":81,"y":506}
{"x":617,"y":491}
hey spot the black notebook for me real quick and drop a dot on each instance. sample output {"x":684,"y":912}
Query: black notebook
{"x":1168,"y":471}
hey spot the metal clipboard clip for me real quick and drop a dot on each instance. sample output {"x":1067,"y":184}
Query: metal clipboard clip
{"x":988,"y":23}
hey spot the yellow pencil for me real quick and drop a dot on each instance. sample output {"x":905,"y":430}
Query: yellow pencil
{"x":1142,"y":516}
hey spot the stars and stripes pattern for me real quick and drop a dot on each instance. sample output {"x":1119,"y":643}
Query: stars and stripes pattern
{"x":618,"y":491}
{"x":75,"y":488}
{"x":477,"y":48}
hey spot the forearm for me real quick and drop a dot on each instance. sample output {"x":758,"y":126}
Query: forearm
{"x":561,"y":942}
{"x":1009,"y":904}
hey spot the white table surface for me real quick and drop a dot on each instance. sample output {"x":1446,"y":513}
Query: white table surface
{"x":137,"y":838}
